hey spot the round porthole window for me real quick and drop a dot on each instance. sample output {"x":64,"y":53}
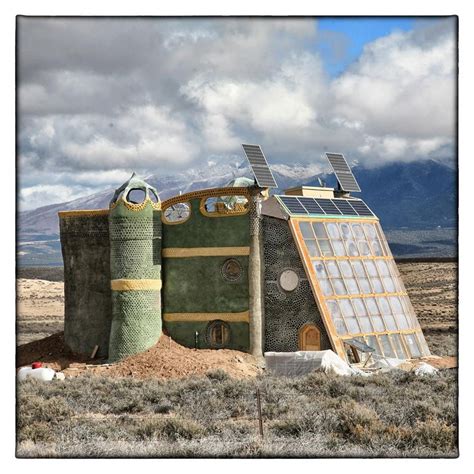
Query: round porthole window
{"x":232,"y":269}
{"x":288,"y":280}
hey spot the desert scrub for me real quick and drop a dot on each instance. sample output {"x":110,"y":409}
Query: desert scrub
{"x":395,"y":414}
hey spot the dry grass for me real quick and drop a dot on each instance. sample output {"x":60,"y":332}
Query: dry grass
{"x":390,"y":415}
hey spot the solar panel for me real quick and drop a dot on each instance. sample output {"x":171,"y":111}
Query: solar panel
{"x":311,"y":205}
{"x":328,"y":207}
{"x":344,"y":207}
{"x":361,"y":208}
{"x":259,"y":165}
{"x":343,"y":172}
{"x":293,"y":205}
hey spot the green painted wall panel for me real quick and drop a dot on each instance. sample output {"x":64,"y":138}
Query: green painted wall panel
{"x":203,"y":231}
{"x":184,"y":333}
{"x":196,"y":285}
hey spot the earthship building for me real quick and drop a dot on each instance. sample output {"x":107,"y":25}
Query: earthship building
{"x":236,"y":268}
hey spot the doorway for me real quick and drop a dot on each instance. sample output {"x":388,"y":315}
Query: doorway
{"x":309,"y":338}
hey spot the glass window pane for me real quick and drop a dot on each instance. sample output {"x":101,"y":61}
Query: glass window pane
{"x":326,"y":287}
{"x":364,"y":285}
{"x":320,"y":230}
{"x":352,"y":325}
{"x":332,"y":268}
{"x":306,"y":231}
{"x":336,"y":317}
{"x":387,"y":348}
{"x":372,"y":306}
{"x":378,"y":324}
{"x":370,"y":267}
{"x":388,"y":284}
{"x":377,"y":285}
{"x":351,"y":286}
{"x":390,"y":322}
{"x":412,"y":345}
{"x":397,"y":344}
{"x":339,"y":286}
{"x":312,"y":248}
{"x":408,"y":310}
{"x":320,"y":269}
{"x":346,"y":268}
{"x":376,"y":248}
{"x":372,"y":342}
{"x":395,"y":304}
{"x":352,"y":250}
{"x":382,"y":267}
{"x":359,"y":306}
{"x":358,"y":268}
{"x":345,"y":231}
{"x":339,"y":248}
{"x":422,"y":343}
{"x":402,"y":321}
{"x":346,"y":308}
{"x":384,"y":306}
{"x":365,"y":324}
{"x":333,"y":230}
{"x":358,"y":232}
{"x":325,"y":247}
{"x":364,"y":248}
{"x":370,"y":231}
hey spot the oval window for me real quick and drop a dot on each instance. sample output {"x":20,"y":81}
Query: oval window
{"x":288,"y":280}
{"x":224,"y":206}
{"x":232,"y":269}
{"x":177,"y":213}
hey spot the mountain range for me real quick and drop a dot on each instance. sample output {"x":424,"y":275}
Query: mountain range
{"x":408,"y":196}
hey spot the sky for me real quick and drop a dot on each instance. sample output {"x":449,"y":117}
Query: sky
{"x":98,"y":98}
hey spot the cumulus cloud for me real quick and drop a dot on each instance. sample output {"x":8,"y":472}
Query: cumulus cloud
{"x":98,"y":98}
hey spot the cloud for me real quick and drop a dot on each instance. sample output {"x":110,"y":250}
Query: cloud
{"x":98,"y":98}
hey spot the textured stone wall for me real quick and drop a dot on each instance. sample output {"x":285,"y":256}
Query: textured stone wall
{"x":88,"y":304}
{"x":286,"y":312}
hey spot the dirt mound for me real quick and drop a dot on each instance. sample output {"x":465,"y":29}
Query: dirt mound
{"x":166,"y":359}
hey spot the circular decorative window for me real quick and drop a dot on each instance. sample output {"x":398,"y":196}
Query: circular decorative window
{"x":232,"y":269}
{"x":177,"y":213}
{"x":288,"y":280}
{"x":218,"y":334}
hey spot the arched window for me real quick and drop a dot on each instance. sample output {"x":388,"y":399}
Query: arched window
{"x":218,"y":334}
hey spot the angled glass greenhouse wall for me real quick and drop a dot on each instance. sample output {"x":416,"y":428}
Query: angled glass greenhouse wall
{"x":357,"y":286}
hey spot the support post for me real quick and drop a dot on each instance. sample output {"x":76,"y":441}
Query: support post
{"x":256,"y":311}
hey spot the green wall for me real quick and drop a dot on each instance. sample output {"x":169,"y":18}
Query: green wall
{"x":196,"y":284}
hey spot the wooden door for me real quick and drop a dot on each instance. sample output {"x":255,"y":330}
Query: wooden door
{"x":309,"y":338}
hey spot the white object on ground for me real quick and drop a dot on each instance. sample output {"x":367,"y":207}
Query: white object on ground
{"x":425,"y":369}
{"x":385,"y":362}
{"x":303,"y":362}
{"x":43,"y":373}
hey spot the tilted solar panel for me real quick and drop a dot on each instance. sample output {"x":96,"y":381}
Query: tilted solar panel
{"x":259,"y":165}
{"x":343,"y":172}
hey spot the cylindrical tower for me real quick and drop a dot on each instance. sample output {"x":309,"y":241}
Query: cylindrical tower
{"x":135,"y":268}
